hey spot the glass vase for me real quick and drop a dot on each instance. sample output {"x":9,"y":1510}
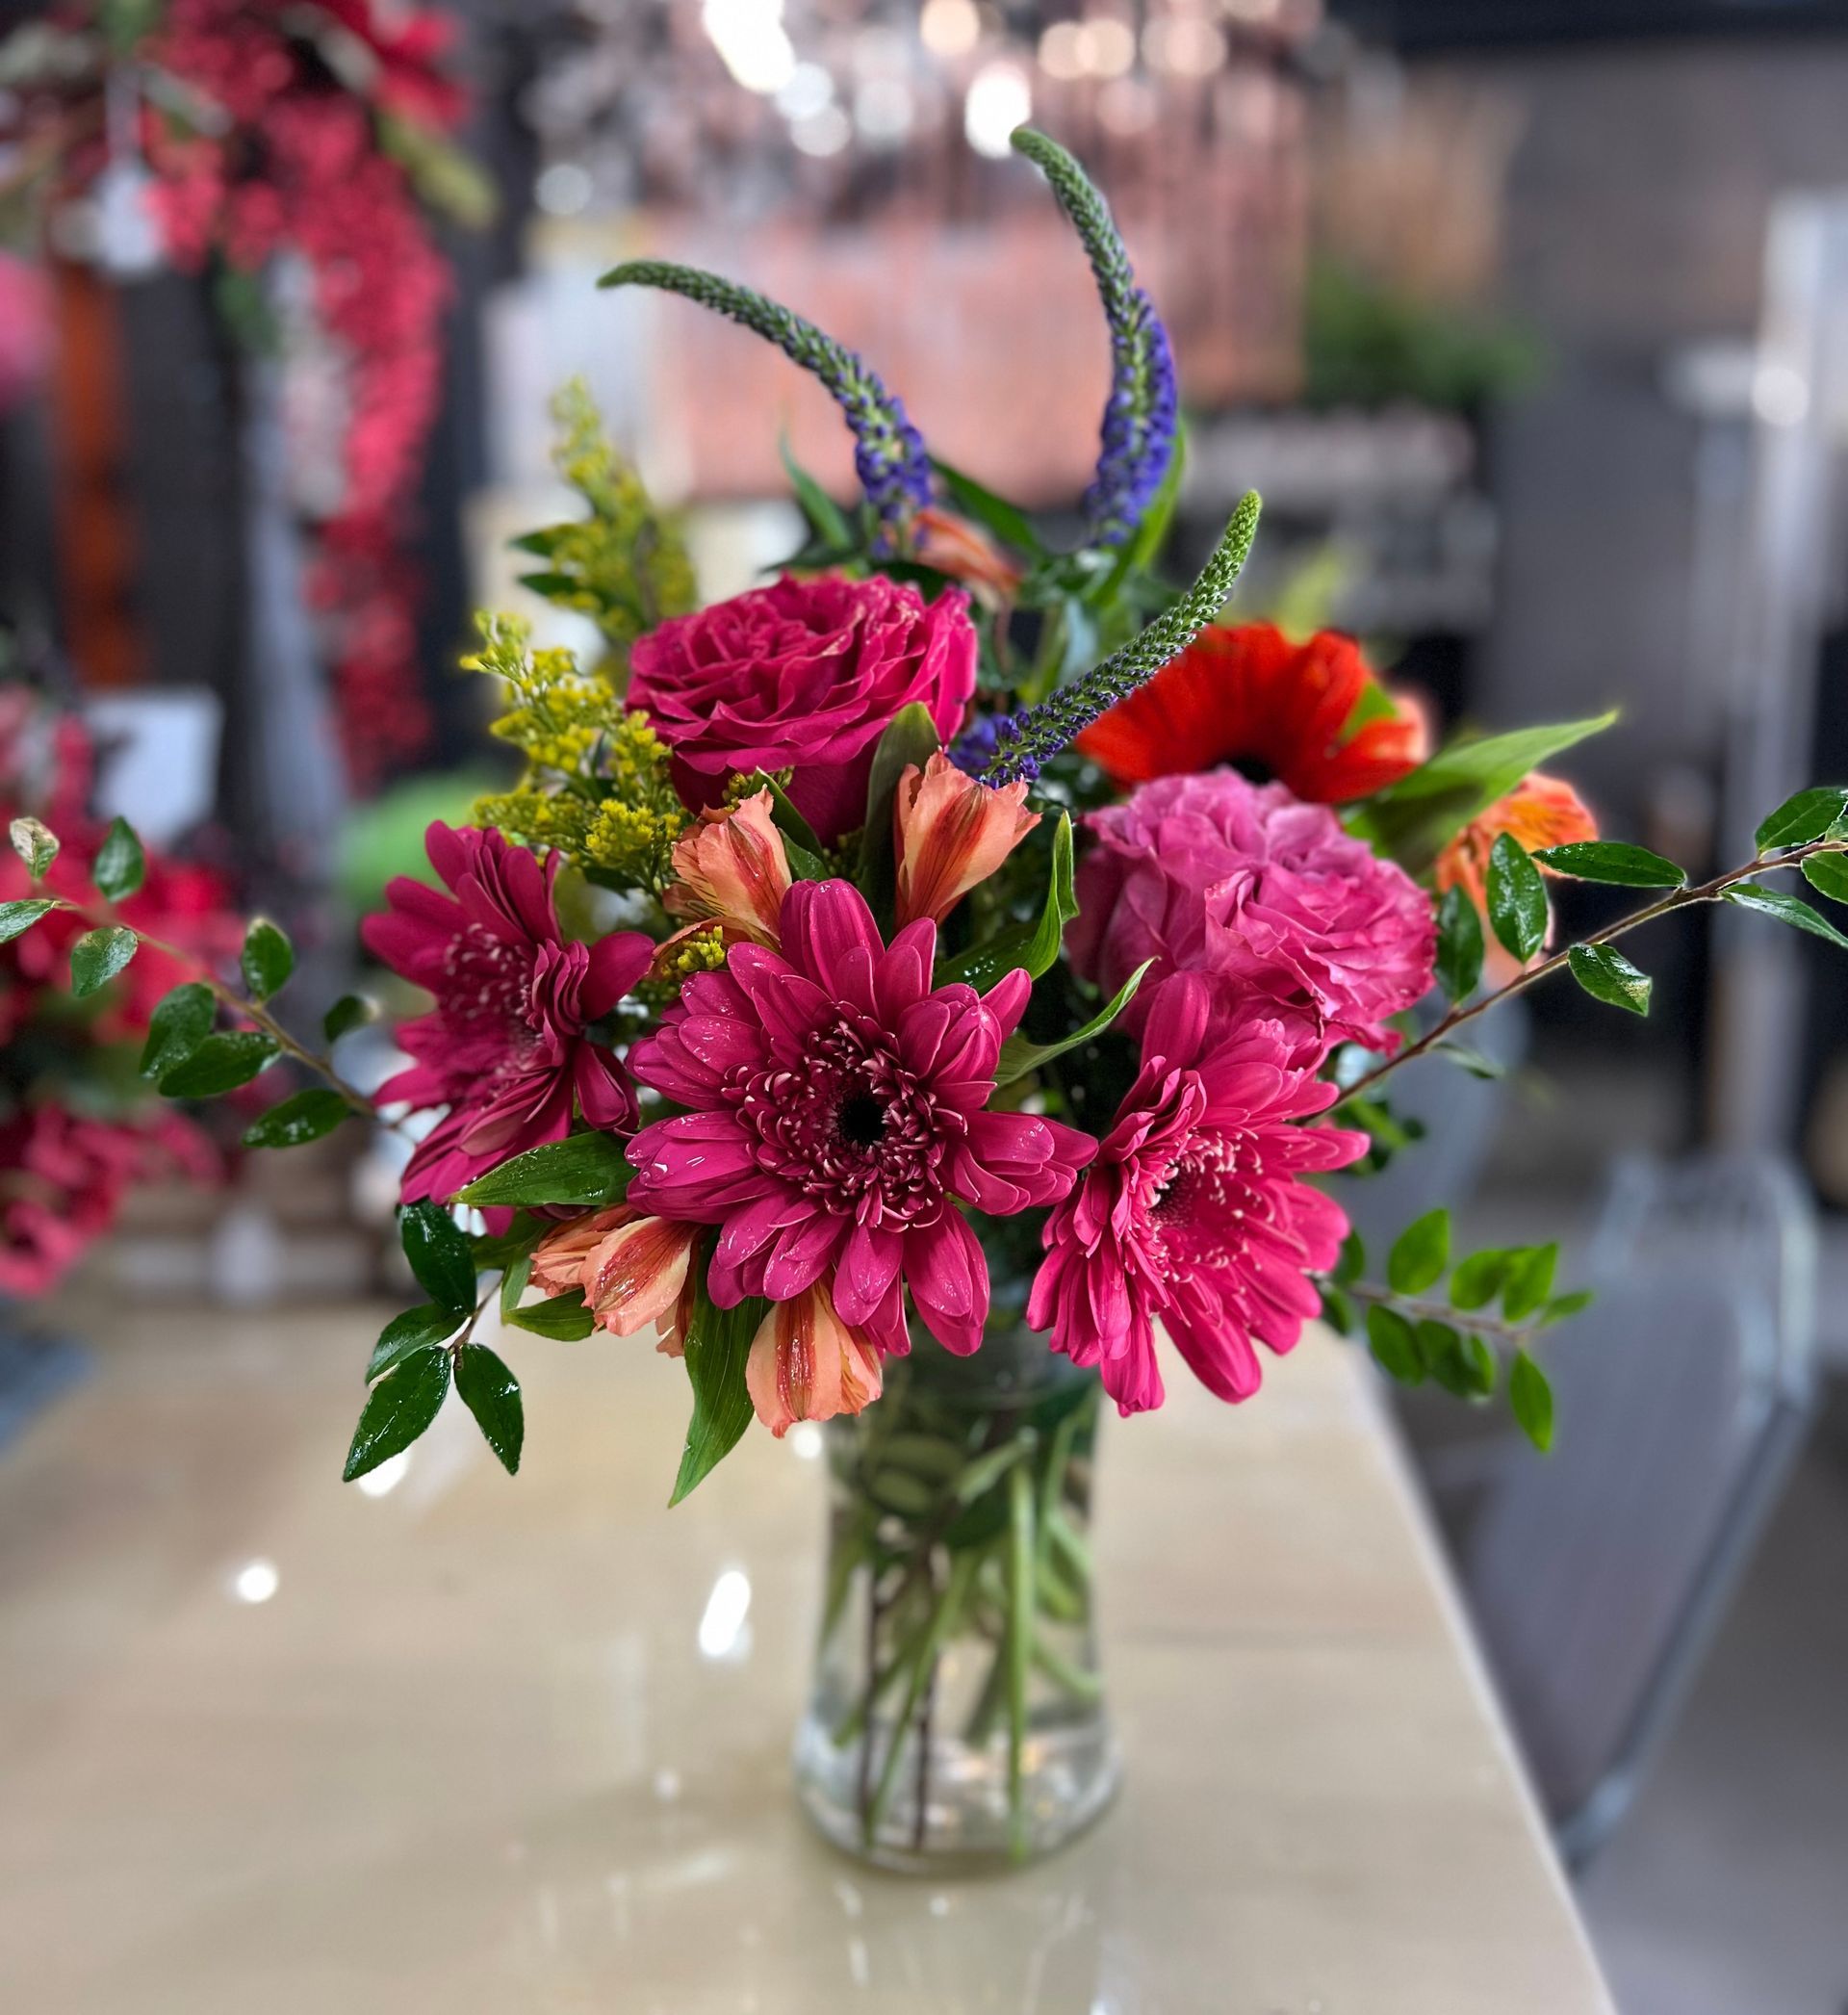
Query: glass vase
{"x":957,"y":1714}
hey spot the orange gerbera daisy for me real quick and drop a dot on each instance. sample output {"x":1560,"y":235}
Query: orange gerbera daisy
{"x":1248,"y":695}
{"x":1539,"y":812}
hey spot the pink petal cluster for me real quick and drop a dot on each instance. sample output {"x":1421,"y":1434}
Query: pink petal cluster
{"x":1247,"y":886}
{"x":506,"y":1047}
{"x":1195,"y":1211}
{"x":835,"y":1120}
{"x":803,"y":675}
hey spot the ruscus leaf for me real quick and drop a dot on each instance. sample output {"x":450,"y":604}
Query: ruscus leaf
{"x":1786,"y":909}
{"x":583,"y":1168}
{"x":1018,"y":1056}
{"x":492,"y":1394}
{"x":1032,"y":947}
{"x":1606,"y":975}
{"x":415,"y":1330}
{"x":398,"y":1409}
{"x":1800,"y":819}
{"x":439,"y":1256}
{"x":1612,"y":861}
{"x":1516,"y":898}
{"x":565,"y":1318}
{"x":120,"y":866}
{"x":1828,"y":875}
{"x":718,"y":1342}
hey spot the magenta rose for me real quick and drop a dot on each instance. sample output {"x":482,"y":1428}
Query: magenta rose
{"x":802,"y":675}
{"x":1260,"y":893}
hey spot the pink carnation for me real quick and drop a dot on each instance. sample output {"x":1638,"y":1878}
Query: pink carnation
{"x":507,"y":1047}
{"x":803,"y":675}
{"x":1246,"y":886}
{"x":1195,"y":1209}
{"x":837,"y":1118}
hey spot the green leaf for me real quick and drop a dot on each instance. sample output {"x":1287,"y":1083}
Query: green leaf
{"x":910,"y":738}
{"x":1562,"y":1307}
{"x":1006,"y":521}
{"x":1018,"y":1056}
{"x":492,"y":1394}
{"x":1480,"y":1365}
{"x":21,"y":915}
{"x":266,"y":960}
{"x":297,"y":1121}
{"x":1034,"y":946}
{"x":120,"y":866}
{"x":1395,"y":1350}
{"x":1786,"y":909}
{"x":1477,"y":1280}
{"x":565,"y":1318}
{"x":179,"y":1024}
{"x":1800,"y":819}
{"x":799,"y":837}
{"x":99,"y":955}
{"x":439,"y":1255}
{"x":1470,"y":1060}
{"x":1828,"y":874}
{"x":1460,"y":944}
{"x":398,"y":1409}
{"x":219,"y":1064}
{"x":415,"y":1330}
{"x":1606,"y":975}
{"x":1412,"y":820}
{"x":513,"y":1280}
{"x":1516,"y":898}
{"x":718,"y":1342}
{"x":349,"y":1012}
{"x":1612,"y":861}
{"x":35,"y":844}
{"x":826,"y":518}
{"x":1531,"y":1398}
{"x":583,"y":1168}
{"x":1528,"y":1280}
{"x":1337,"y":1309}
{"x":1353,"y":1262}
{"x":1448,"y":1360}
{"x":1420,"y":1253}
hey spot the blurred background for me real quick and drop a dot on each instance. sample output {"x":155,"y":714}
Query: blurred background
{"x":1529,"y":321}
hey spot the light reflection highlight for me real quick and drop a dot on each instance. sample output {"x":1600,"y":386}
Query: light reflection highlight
{"x":722,"y":1632}
{"x":256,"y":1581}
{"x":386,"y":1478}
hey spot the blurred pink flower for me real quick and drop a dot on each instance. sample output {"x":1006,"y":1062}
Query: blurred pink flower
{"x":837,"y":1116}
{"x":803,"y":675}
{"x":1266,"y":895}
{"x":1195,"y":1211}
{"x":950,"y":833}
{"x":506,"y":1047}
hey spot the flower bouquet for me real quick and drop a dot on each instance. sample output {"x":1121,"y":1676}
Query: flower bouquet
{"x":893,"y":990}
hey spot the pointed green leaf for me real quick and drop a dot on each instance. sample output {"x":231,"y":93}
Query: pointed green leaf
{"x":1800,"y":819}
{"x":1516,"y":898}
{"x":1828,"y":875}
{"x":583,"y":1168}
{"x":35,"y":844}
{"x":179,"y":1024}
{"x":1353,"y":1262}
{"x":1606,"y":975}
{"x":439,"y":1256}
{"x":1531,"y":1398}
{"x":1337,"y":1309}
{"x":492,"y":1394}
{"x":565,"y":1318}
{"x":1470,"y":1060}
{"x":1612,"y":860}
{"x":1018,"y":1056}
{"x":513,"y":1282}
{"x":718,"y":1343}
{"x":1420,"y":1253}
{"x":1528,"y":1280}
{"x":266,"y":960}
{"x":21,"y":915}
{"x":1562,"y":1307}
{"x":306,"y":1117}
{"x":1460,"y":944}
{"x":1032,"y":947}
{"x":798,"y":835}
{"x":415,"y":1330}
{"x":219,"y":1064}
{"x":349,"y":1012}
{"x":1395,"y":1350}
{"x":120,"y":866}
{"x":826,"y":518}
{"x":910,"y":738}
{"x":99,"y":955}
{"x":398,"y":1409}
{"x":1477,"y":1280}
{"x":995,"y":515}
{"x":1786,"y":909}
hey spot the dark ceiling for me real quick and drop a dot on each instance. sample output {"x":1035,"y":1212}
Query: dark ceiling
{"x":1435,"y":24}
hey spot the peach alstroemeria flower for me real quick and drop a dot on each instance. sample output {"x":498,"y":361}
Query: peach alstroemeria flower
{"x":1539,"y":812}
{"x":955,"y":546}
{"x":731,"y":870}
{"x":807,"y":1364}
{"x":634,"y":1271}
{"x":950,"y":833}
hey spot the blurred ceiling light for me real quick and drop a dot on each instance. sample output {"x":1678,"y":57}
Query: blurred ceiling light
{"x":386,"y":1478}
{"x":949,"y":27}
{"x":1779,"y":395}
{"x":1183,"y":45}
{"x":562,"y":189}
{"x":823,"y":132}
{"x":882,"y":109}
{"x":750,"y":37}
{"x":256,"y":1581}
{"x":1000,"y":98}
{"x":1065,"y":51}
{"x":1251,"y":9}
{"x":722,"y":1626}
{"x":1110,"y":46}
{"x":808,"y":90}
{"x":1125,"y":106}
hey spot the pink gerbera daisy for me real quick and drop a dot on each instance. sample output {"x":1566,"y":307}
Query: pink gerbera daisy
{"x":507,"y":1049}
{"x":837,"y":1120}
{"x":1195,"y":1211}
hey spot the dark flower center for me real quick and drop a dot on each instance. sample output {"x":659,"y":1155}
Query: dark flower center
{"x":863,"y":1119}
{"x":1206,"y":1198}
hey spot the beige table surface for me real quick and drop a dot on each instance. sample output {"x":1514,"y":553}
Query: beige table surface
{"x":469,"y":1755}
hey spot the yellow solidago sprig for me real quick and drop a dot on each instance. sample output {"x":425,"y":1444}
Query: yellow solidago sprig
{"x":624,"y":565}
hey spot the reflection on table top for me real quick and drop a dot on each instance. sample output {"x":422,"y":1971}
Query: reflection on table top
{"x":269,"y":1744}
